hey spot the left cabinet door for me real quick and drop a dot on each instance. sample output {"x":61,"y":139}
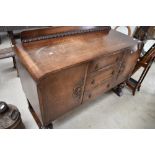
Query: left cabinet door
{"x":62,"y":91}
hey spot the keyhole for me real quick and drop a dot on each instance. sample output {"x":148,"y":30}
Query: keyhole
{"x":93,"y":81}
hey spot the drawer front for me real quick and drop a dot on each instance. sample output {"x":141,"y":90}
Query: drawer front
{"x":99,"y":77}
{"x":104,"y":61}
{"x":97,"y":91}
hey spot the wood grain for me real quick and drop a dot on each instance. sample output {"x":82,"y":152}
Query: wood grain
{"x":60,"y":74}
{"x":43,"y":57}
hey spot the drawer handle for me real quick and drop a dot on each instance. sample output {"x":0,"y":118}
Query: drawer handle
{"x":117,"y":59}
{"x":108,"y":85}
{"x":96,"y":67}
{"x":89,"y":95}
{"x":93,"y":82}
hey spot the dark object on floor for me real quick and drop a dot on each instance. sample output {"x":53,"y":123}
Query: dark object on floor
{"x":63,"y":67}
{"x":10,"y":117}
{"x":145,"y":62}
{"x":118,"y":90}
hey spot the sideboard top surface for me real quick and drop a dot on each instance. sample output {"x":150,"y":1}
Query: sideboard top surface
{"x":45,"y":56}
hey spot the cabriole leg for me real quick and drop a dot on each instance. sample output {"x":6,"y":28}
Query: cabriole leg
{"x":49,"y":126}
{"x":118,"y":90}
{"x":14,"y":62}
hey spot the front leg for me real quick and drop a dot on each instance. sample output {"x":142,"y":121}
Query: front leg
{"x":118,"y":90}
{"x":49,"y":126}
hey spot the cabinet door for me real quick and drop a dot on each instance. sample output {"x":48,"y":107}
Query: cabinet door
{"x":127,"y":65}
{"x":62,"y":91}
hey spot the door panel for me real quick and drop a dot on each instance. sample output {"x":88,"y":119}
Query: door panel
{"x":62,"y":91}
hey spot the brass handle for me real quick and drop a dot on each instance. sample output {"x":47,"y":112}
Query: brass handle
{"x":89,"y":95}
{"x":96,"y":67}
{"x":93,"y":81}
{"x":108,"y":85}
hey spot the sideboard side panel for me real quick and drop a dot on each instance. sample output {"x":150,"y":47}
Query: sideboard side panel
{"x":30,"y":88}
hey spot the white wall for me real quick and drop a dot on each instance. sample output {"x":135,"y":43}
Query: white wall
{"x":124,"y":30}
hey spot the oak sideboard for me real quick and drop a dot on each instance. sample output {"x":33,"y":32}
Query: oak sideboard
{"x":63,"y":67}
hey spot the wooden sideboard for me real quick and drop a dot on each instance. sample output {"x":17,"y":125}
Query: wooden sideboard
{"x":63,"y":67}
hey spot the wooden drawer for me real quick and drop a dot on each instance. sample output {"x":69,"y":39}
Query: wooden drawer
{"x":104,"y":61}
{"x":97,"y":91}
{"x":99,"y":77}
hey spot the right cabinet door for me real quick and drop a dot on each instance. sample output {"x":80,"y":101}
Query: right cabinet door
{"x":127,"y":65}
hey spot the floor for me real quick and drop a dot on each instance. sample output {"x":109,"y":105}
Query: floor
{"x":108,"y":111}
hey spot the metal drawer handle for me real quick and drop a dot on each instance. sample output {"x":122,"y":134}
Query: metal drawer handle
{"x":93,"y":82}
{"x":108,"y":85}
{"x":96,"y":67}
{"x":89,"y":95}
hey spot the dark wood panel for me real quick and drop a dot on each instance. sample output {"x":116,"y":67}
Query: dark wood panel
{"x":62,"y":91}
